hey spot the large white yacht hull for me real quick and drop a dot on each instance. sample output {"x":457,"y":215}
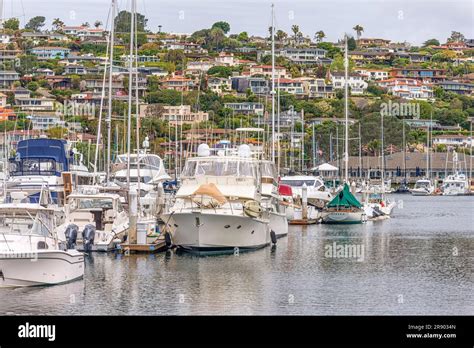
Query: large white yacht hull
{"x":215,"y":233}
{"x":278,"y":224}
{"x":42,"y":267}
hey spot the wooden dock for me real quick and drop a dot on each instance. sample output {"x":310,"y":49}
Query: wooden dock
{"x":303,"y":222}
{"x":149,"y":248}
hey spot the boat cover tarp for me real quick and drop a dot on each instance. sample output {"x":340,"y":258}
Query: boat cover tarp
{"x":344,"y":199}
{"x":212,"y":191}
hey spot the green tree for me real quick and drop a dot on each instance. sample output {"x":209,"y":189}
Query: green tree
{"x":431,"y":42}
{"x":359,"y":30}
{"x":58,"y":24}
{"x":32,"y":86}
{"x":35,"y":23}
{"x":220,"y":71}
{"x":167,"y":96}
{"x":224,"y":26}
{"x":122,"y":22}
{"x":456,"y":36}
{"x":57,"y":132}
{"x":351,"y":44}
{"x":243,"y":37}
{"x":12,"y":24}
{"x":295,"y":29}
{"x":319,"y":36}
{"x":280,"y":35}
{"x":97,"y":24}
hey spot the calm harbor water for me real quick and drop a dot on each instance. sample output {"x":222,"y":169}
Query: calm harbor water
{"x":419,"y":262}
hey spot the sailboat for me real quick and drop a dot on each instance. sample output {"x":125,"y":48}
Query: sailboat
{"x":376,"y":205}
{"x":425,"y":186}
{"x":344,"y":208}
{"x":456,"y":184}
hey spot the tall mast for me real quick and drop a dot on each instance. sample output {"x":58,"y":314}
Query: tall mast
{"x":109,"y":113}
{"x":382,"y":154}
{"x":273,"y":83}
{"x":130,"y":87}
{"x":428,"y":174}
{"x":404,"y":153}
{"x":346,"y":111}
{"x":278,"y":131}
{"x":137,"y":106}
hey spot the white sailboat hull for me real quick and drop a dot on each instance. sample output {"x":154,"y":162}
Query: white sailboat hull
{"x":343,"y":217}
{"x":209,"y":232}
{"x":421,"y":192}
{"x":42,"y":267}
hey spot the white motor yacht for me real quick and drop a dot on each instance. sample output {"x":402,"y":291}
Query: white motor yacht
{"x":218,"y":206}
{"x":31,"y":250}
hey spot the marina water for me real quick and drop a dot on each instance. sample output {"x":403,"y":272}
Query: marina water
{"x":420,"y":261}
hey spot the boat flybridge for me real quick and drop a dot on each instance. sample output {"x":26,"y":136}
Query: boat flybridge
{"x":423,"y":187}
{"x":148,"y":173}
{"x":38,"y":161}
{"x":32,"y":252}
{"x":218,"y":207}
{"x":99,"y":215}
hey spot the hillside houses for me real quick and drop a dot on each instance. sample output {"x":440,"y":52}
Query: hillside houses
{"x":355,"y":82}
{"x":408,"y":88}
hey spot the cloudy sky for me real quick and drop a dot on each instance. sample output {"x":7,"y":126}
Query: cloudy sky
{"x":412,"y":20}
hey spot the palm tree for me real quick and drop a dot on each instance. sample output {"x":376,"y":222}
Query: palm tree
{"x":280,"y":35}
{"x":217,"y":35}
{"x":57,"y":24}
{"x":295,"y":29}
{"x":319,"y":36}
{"x":86,"y":24}
{"x":97,"y":24}
{"x":358,"y":29}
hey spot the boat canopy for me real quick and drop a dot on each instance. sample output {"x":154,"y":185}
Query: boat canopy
{"x":345,"y":199}
{"x":220,"y":166}
{"x":326,"y":167}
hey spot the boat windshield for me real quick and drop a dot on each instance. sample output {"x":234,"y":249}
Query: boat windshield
{"x":34,"y":166}
{"x":90,"y":203}
{"x":26,"y":223}
{"x":422,"y":184}
{"x":146,"y":161}
{"x":220,"y":167}
{"x":298,"y":183}
{"x":268,"y":170}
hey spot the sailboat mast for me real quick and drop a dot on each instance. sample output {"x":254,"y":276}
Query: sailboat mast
{"x":273,"y":83}
{"x":428,"y":174}
{"x":382,"y":154}
{"x":130,"y":87}
{"x":109,"y":112}
{"x":346,"y":111}
{"x":137,"y":105}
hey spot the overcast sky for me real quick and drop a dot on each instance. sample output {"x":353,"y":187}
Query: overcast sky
{"x":404,"y":20}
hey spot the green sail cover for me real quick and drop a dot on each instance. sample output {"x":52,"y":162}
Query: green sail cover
{"x":344,"y":199}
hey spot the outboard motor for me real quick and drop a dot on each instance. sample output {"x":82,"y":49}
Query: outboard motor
{"x":71,"y":236}
{"x":88,"y":236}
